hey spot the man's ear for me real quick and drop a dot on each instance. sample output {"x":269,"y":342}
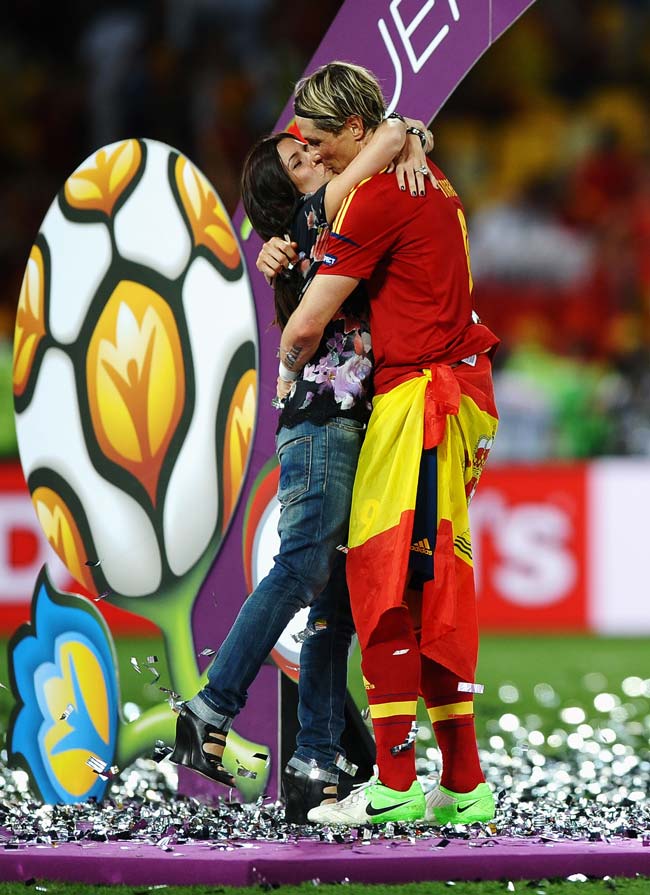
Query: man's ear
{"x":354,"y":123}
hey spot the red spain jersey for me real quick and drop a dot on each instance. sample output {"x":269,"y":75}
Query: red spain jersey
{"x":413,"y":254}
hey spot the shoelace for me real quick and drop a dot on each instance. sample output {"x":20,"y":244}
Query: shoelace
{"x":358,"y":789}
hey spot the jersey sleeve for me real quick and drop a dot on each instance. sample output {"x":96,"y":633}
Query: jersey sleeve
{"x":358,"y":238}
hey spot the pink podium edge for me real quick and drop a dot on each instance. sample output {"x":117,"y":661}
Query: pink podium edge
{"x":296,"y":861}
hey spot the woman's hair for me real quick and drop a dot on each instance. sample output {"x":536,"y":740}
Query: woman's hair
{"x":270,"y":199}
{"x":268,"y":193}
{"x":337,"y":90}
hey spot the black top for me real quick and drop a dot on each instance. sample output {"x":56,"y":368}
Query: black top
{"x":337,"y":380}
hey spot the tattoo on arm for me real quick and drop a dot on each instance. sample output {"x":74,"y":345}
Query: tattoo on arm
{"x":292,"y":356}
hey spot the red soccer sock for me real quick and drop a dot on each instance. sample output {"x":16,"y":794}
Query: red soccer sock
{"x":391,"y":670}
{"x":461,"y":769}
{"x":452,"y":717}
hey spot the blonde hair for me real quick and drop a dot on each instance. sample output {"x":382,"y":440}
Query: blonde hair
{"x":337,"y":90}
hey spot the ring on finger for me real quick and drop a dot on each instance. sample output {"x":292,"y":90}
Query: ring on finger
{"x":422,"y":170}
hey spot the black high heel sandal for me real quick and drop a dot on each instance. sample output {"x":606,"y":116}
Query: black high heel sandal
{"x":192,"y":735}
{"x":302,"y":792}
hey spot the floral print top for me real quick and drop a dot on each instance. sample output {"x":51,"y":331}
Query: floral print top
{"x":337,"y":381}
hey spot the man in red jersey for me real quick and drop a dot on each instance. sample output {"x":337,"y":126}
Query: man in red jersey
{"x":410,"y":555}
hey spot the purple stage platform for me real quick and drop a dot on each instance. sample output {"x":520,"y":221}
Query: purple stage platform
{"x":297,"y":861}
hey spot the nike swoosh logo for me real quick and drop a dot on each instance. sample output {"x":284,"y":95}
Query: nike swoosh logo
{"x":465,"y":807}
{"x":374,"y":812}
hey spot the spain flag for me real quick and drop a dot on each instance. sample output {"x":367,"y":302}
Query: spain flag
{"x":452,"y":410}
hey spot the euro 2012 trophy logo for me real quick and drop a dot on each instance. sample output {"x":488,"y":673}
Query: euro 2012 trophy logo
{"x":135,"y":392}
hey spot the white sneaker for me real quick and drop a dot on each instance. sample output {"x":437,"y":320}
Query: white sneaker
{"x":372,"y":803}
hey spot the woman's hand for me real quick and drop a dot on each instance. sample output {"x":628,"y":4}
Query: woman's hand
{"x":276,"y":255}
{"x":410,"y":165}
{"x":283,"y":388}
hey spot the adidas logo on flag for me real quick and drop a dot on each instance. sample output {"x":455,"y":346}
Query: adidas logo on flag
{"x":422,"y":546}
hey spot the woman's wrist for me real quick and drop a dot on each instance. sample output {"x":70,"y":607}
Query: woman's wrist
{"x":286,"y":374}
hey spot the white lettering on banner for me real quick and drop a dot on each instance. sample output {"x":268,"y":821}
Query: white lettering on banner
{"x":534,"y":565}
{"x":17,"y":580}
{"x":405,"y":33}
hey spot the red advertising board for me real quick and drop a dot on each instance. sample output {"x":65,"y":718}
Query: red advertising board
{"x":24,"y":549}
{"x":530,"y":552}
{"x":529,"y":532}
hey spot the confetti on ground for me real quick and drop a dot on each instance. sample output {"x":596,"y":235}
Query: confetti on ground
{"x":570,"y":783}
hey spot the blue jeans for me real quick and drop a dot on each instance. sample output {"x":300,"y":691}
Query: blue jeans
{"x":317,"y":469}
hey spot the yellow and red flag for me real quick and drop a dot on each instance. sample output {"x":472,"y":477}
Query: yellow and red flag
{"x":451,"y":409}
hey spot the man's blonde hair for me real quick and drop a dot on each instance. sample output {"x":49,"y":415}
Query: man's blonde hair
{"x":337,"y":90}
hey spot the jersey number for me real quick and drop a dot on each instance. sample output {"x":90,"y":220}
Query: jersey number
{"x":463,"y":227}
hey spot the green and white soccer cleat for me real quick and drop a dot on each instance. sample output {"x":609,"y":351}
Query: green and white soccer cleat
{"x":447,"y":807}
{"x":372,"y":803}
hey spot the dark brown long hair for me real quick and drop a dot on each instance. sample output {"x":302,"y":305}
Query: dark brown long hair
{"x":270,"y":199}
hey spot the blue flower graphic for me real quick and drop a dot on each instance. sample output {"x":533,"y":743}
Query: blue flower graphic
{"x":63,"y":676}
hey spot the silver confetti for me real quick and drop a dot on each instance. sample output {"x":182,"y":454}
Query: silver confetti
{"x":346,"y":766}
{"x":207,"y":652}
{"x":573,"y":781}
{"x":410,"y":739}
{"x":173,"y":698}
{"x":161,"y":751}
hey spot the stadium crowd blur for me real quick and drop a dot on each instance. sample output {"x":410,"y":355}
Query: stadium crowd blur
{"x":547,"y":140}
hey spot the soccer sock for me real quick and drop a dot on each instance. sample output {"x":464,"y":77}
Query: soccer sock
{"x":391,"y":672}
{"x":452,"y":717}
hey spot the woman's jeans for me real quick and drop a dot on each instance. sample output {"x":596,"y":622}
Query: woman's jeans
{"x":317,"y":469}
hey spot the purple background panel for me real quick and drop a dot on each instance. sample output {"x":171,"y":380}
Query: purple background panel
{"x":374,"y":35}
{"x":296,"y":861}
